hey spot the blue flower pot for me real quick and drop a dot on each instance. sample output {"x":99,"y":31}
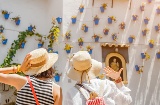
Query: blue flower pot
{"x":59,"y":20}
{"x":30,"y":28}
{"x":6,"y":16}
{"x":40,"y":45}
{"x":114,"y":37}
{"x":143,"y":55}
{"x":55,"y":52}
{"x":1,"y":31}
{"x":137,"y":67}
{"x":96,"y":21}
{"x":109,"y":21}
{"x":50,"y":50}
{"x":4,"y":42}
{"x":151,"y":45}
{"x":90,"y":51}
{"x":80,"y":44}
{"x":102,"y":9}
{"x":149,"y":1}
{"x":74,"y":20}
{"x":134,"y":18}
{"x":144,"y":33}
{"x":146,"y":21}
{"x":68,"y":37}
{"x":85,"y":29}
{"x":81,"y":10}
{"x":142,"y":8}
{"x":158,"y":55}
{"x":17,"y":22}
{"x":22,"y":45}
{"x":57,"y":78}
{"x":96,"y":39}
{"x":156,"y":28}
{"x":68,"y":51}
{"x":105,"y":33}
{"x":130,"y":39}
{"x":158,"y":11}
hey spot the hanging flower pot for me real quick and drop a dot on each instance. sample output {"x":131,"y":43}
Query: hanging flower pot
{"x":50,"y":50}
{"x":89,"y":49}
{"x":105,"y":31}
{"x":6,"y":14}
{"x":17,"y":20}
{"x":151,"y":43}
{"x":22,"y":45}
{"x":1,"y":28}
{"x":158,"y":55}
{"x":142,"y":7}
{"x":59,"y":20}
{"x":40,"y":45}
{"x":68,"y":35}
{"x":143,"y":55}
{"x":96,"y":20}
{"x":41,"y":42}
{"x":114,"y":37}
{"x":122,"y":25}
{"x":110,"y":19}
{"x":84,"y":28}
{"x":80,"y":41}
{"x":134,"y":17}
{"x":68,"y":48}
{"x":80,"y":44}
{"x":74,"y":19}
{"x":4,"y":41}
{"x":145,"y":31}
{"x":68,"y":51}
{"x":131,"y":38}
{"x":96,"y":37}
{"x":81,"y":8}
{"x":146,"y":20}
{"x":137,"y":67}
{"x":57,"y":78}
{"x":158,"y":10}
{"x":103,"y":7}
{"x":31,"y":28}
{"x":157,"y":28}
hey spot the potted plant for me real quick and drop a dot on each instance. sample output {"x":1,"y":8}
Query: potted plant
{"x":41,"y":43}
{"x":131,"y":38}
{"x":84,"y":28}
{"x":96,"y":20}
{"x":31,"y":28}
{"x":74,"y":19}
{"x":114,"y":36}
{"x":1,"y":28}
{"x":110,"y":19}
{"x":158,"y":55}
{"x":4,"y":40}
{"x":80,"y":41}
{"x":145,"y":31}
{"x":22,"y":44}
{"x":59,"y":20}
{"x":103,"y":7}
{"x":56,"y":75}
{"x":146,"y":20}
{"x":96,"y":37}
{"x":145,"y":56}
{"x":89,"y":49}
{"x":142,"y":6}
{"x":151,"y":43}
{"x":158,"y":10}
{"x":122,"y":25}
{"x":134,"y":17}
{"x":157,"y":28}
{"x":6,"y":14}
{"x":137,"y":67}
{"x":81,"y":8}
{"x":106,"y":31}
{"x":17,"y":20}
{"x":68,"y":35}
{"x":68,"y":48}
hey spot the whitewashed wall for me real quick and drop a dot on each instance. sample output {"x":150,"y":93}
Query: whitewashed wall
{"x":145,"y":86}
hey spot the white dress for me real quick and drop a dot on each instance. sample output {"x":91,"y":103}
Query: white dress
{"x":110,"y":92}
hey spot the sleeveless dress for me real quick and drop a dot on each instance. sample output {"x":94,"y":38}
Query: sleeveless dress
{"x":43,"y":91}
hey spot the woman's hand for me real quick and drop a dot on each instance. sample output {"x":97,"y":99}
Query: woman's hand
{"x":26,"y":63}
{"x":112,"y":73}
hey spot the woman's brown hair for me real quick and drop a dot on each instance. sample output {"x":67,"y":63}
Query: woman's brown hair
{"x":46,"y":74}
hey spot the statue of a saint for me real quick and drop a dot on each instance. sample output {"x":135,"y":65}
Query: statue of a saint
{"x":115,"y":65}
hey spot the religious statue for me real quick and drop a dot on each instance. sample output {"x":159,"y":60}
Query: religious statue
{"x":115,"y":65}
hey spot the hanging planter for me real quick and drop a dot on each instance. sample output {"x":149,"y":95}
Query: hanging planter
{"x":131,"y":38}
{"x":57,"y":75}
{"x":134,"y":17}
{"x":157,"y":28}
{"x":96,"y":20}
{"x":146,"y":20}
{"x":114,"y":37}
{"x":96,"y":37}
{"x":143,"y":56}
{"x":23,"y":44}
{"x":1,"y":28}
{"x":105,"y":31}
{"x":137,"y":67}
{"x":151,"y":43}
{"x":31,"y":28}
{"x":41,"y":43}
{"x":50,"y":50}
{"x":84,"y":28}
{"x":145,"y":31}
{"x":6,"y":14}
{"x":122,"y":25}
{"x":80,"y":42}
{"x":89,"y":49}
{"x":158,"y":55}
{"x":103,"y":7}
{"x":4,"y":40}
{"x":68,"y":35}
{"x":59,"y":20}
{"x":110,"y":19}
{"x":17,"y":20}
{"x":81,"y":8}
{"x":68,"y":48}
{"x":142,"y":6}
{"x":158,"y":10}
{"x":74,"y":19}
{"x":57,"y":78}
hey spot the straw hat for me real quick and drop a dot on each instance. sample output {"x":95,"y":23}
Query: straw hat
{"x":83,"y":67}
{"x":41,"y":61}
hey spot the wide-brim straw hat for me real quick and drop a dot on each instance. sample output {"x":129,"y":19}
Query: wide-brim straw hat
{"x":83,"y":67}
{"x":41,"y":61}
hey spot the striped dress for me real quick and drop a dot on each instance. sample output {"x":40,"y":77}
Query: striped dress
{"x":43,"y":91}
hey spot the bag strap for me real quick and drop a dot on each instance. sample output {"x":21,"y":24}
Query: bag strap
{"x":33,"y":92}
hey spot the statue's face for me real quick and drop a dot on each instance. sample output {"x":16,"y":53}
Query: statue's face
{"x":114,"y":60}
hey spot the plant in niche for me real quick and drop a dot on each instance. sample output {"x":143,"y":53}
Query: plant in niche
{"x":16,"y":19}
{"x":80,"y":41}
{"x":68,"y":35}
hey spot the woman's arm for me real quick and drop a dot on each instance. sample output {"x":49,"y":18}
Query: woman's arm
{"x":57,"y":94}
